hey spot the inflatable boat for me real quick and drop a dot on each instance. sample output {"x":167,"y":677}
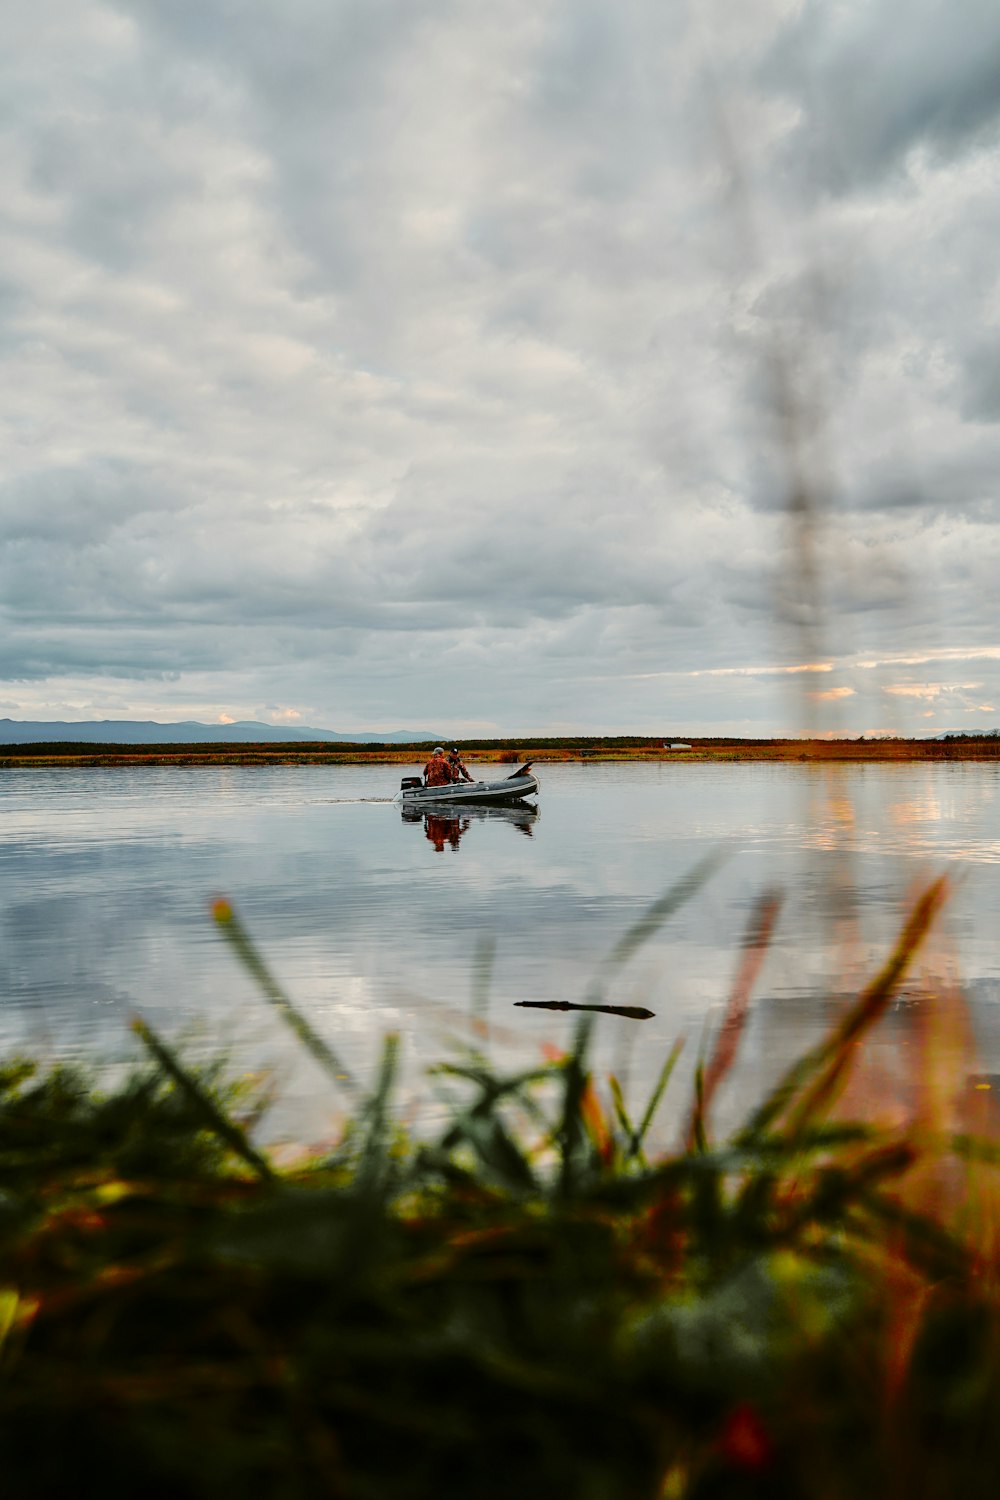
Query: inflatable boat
{"x":513,"y":788}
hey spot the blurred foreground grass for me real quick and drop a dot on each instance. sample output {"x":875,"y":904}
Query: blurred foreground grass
{"x":525,"y":1303}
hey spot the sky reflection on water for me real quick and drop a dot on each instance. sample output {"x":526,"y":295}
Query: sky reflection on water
{"x":373,"y":921}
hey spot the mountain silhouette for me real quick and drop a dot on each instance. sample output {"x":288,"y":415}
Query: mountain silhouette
{"x":188,"y":732}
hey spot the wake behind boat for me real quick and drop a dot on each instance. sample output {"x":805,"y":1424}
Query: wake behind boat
{"x":511,"y":790}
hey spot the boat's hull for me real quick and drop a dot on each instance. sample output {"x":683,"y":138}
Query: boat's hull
{"x":472,"y":793}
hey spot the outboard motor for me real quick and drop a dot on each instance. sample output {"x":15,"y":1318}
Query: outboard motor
{"x":411,"y":783}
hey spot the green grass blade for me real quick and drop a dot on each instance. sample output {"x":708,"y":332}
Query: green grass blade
{"x":238,"y":939}
{"x":482,"y":980}
{"x":571,"y":1132}
{"x":376,"y":1164}
{"x":215,"y":1120}
{"x":376,"y":1109}
{"x":658,"y":1091}
{"x":652,"y":920}
{"x":756,"y":943}
{"x":622,"y":1115}
{"x":826,"y":1063}
{"x":973,"y":1149}
{"x":697,"y":1135}
{"x":871,"y":1007}
{"x":496,"y":1149}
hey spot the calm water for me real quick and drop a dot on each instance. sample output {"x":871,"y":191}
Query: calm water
{"x":374,"y":923}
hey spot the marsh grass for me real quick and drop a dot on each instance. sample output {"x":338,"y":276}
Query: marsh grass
{"x":525,"y":1302}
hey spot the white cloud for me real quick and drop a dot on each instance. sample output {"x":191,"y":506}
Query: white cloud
{"x":930,"y":690}
{"x":393,"y":363}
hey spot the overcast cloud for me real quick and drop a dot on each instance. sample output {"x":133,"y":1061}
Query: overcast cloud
{"x":387,"y":363}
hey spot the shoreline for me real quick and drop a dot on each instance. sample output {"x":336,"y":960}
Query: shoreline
{"x":580,"y":751}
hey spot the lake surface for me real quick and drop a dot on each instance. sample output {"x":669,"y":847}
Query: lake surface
{"x":376,"y":923}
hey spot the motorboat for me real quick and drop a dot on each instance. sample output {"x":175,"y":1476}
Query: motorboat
{"x":512,"y":789}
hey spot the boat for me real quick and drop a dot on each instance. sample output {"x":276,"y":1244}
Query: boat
{"x":512,"y":789}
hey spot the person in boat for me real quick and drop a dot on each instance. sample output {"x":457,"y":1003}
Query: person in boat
{"x":437,"y":771}
{"x":458,"y":771}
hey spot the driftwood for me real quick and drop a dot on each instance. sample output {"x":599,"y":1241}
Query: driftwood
{"x":630,"y":1012}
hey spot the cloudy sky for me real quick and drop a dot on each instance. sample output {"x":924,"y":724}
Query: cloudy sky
{"x":543,"y":365}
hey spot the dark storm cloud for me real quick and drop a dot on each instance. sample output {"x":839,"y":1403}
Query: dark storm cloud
{"x":115,"y":185}
{"x":77,"y":507}
{"x":876,"y":81}
{"x":980,"y":383}
{"x":315,"y":88}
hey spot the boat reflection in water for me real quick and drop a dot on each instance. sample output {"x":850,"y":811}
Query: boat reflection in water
{"x":444,"y":824}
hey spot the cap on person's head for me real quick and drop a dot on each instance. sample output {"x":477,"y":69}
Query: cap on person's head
{"x":454,"y":749}
{"x":438,"y":750}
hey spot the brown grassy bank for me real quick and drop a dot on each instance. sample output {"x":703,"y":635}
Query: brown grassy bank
{"x":624,"y":748}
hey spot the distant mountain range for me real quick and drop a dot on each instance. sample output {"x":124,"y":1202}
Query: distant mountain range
{"x":966,"y":734}
{"x":147,"y":732}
